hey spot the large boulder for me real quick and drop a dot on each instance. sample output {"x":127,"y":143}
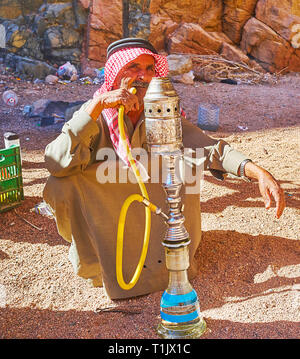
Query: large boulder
{"x":207,"y":13}
{"x":166,"y":16}
{"x":62,"y":13}
{"x":235,"y":15}
{"x":233,"y":53}
{"x":29,"y":68}
{"x":193,"y":39}
{"x":106,"y":26}
{"x":21,"y":40}
{"x":11,"y":9}
{"x":279,"y":16}
{"x":58,"y":37}
{"x":179,"y":64}
{"x":62,"y":44}
{"x":161,"y":26}
{"x":268,"y":48}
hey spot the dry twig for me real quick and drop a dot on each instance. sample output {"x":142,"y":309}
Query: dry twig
{"x":25,"y":220}
{"x":217,"y":68}
{"x":125,"y":310}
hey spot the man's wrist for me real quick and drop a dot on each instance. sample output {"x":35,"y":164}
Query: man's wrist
{"x":242,"y":167}
{"x":94,"y":109}
{"x":253,"y":171}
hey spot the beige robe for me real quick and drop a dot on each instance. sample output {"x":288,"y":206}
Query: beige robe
{"x":87,"y":212}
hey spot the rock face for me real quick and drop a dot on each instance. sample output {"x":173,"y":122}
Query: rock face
{"x":236,"y":14}
{"x":265,"y":33}
{"x":206,"y":13}
{"x":12,"y":9}
{"x":193,"y":39}
{"x":105,"y":26}
{"x":268,"y":48}
{"x":279,"y":16}
{"x":166,"y":16}
{"x":44,"y":30}
{"x":272,"y":37}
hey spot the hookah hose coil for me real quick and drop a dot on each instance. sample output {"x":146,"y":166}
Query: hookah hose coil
{"x":144,"y":198}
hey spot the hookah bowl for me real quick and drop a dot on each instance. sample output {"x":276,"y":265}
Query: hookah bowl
{"x":179,"y":307}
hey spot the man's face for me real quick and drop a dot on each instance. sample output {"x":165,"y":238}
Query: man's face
{"x":140,"y":71}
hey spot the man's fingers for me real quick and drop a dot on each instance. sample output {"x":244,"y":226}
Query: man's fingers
{"x":267,"y":199}
{"x":271,"y":189}
{"x":129,"y":101}
{"x":265,"y":195}
{"x":126,"y":83}
{"x":280,"y":202}
{"x":278,"y":195}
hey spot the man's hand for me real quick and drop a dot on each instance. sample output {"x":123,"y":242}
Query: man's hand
{"x":113,"y":99}
{"x":268,"y":187}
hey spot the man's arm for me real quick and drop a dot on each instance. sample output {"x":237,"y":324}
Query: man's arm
{"x":221,"y":158}
{"x":70,"y":152}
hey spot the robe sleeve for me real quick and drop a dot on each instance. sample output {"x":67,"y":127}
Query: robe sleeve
{"x":71,"y":152}
{"x":220,"y":157}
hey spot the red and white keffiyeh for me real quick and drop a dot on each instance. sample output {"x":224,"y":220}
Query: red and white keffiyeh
{"x":113,"y":65}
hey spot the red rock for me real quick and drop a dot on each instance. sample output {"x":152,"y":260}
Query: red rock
{"x":160,"y":29}
{"x":236,"y":13}
{"x":207,"y":13}
{"x":233,"y":53}
{"x":85,"y":3}
{"x":279,"y":16}
{"x":107,"y":15}
{"x":271,"y":51}
{"x":105,"y":27}
{"x":294,"y":62}
{"x":193,"y":39}
{"x":98,"y":42}
{"x":221,"y":37}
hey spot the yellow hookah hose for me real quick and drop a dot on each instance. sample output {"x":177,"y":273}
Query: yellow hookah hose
{"x":124,"y":209}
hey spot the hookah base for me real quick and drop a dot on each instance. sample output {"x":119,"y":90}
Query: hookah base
{"x":181,"y":331}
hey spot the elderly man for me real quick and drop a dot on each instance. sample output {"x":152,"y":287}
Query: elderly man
{"x":87,"y":211}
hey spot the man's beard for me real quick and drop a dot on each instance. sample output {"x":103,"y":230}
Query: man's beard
{"x":140,"y":91}
{"x":140,"y":84}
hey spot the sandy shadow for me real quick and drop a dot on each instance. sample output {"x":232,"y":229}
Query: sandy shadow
{"x":233,"y":264}
{"x":242,"y":192}
{"x":14,"y":225}
{"x":30,"y":323}
{"x":226,"y":329}
{"x":33,"y":165}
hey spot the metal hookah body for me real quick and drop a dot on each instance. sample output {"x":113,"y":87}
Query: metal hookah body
{"x":180,"y":310}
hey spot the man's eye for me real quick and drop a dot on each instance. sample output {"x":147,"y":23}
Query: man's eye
{"x":133,"y":66}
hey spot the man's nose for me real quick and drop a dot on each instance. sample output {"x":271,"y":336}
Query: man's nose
{"x":141,"y":74}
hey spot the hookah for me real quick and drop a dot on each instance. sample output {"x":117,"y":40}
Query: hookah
{"x":179,"y":307}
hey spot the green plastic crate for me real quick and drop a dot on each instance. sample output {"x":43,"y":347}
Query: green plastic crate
{"x":11,"y":181}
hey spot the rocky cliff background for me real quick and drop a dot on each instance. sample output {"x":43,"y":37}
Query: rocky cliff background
{"x":265,"y":33}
